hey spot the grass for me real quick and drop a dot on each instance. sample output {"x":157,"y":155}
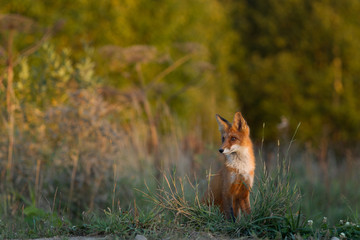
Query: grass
{"x":77,"y":171}
{"x":284,"y":205}
{"x":174,"y":210}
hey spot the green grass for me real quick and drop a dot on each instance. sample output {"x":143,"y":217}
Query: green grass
{"x":174,"y":210}
{"x":287,"y":203}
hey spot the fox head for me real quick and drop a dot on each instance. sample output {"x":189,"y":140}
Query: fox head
{"x":233,"y":136}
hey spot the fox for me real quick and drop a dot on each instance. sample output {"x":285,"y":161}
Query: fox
{"x":230,"y":188}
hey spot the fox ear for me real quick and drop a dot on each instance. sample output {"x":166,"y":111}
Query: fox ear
{"x":224,"y":125}
{"x":239,"y":122}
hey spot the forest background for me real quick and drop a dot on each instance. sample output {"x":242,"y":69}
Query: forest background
{"x":97,"y":93}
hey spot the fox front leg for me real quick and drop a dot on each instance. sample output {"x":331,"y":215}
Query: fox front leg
{"x":228,"y":208}
{"x":245,"y":205}
{"x":236,"y":206}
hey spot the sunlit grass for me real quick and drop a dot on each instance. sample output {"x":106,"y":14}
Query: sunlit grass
{"x":174,"y":209}
{"x":80,"y":164}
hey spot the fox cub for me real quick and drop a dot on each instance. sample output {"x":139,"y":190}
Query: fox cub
{"x":230,"y":187}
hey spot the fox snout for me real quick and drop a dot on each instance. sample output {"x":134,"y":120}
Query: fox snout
{"x":226,"y":150}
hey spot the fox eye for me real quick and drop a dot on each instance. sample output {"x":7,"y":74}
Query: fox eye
{"x":233,"y":139}
{"x":222,"y":139}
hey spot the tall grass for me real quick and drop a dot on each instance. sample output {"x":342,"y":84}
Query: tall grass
{"x":280,"y":204}
{"x":275,"y":205}
{"x":89,"y":148}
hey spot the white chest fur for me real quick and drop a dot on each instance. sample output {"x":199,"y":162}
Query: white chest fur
{"x":240,"y":159}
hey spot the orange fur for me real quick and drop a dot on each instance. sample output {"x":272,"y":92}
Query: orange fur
{"x":230,"y":187}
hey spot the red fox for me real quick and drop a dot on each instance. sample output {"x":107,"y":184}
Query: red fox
{"x":230,"y":187}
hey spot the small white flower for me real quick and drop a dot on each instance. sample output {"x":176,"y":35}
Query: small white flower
{"x":310,"y":222}
{"x":347,"y":224}
{"x":342,"y":235}
{"x":341,"y":222}
{"x":324,"y":220}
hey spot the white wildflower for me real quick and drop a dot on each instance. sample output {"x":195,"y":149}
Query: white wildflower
{"x":310,"y":222}
{"x":341,"y":222}
{"x":324,"y":220}
{"x":342,"y":235}
{"x":347,"y":224}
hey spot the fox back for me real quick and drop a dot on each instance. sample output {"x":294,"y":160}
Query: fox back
{"x":230,"y":187}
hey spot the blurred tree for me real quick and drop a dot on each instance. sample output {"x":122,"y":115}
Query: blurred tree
{"x":301,"y":62}
{"x":296,"y":59}
{"x":168,"y":25}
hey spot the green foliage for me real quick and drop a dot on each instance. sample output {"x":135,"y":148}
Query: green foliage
{"x":45,"y":83}
{"x":121,"y":223}
{"x":84,"y":102}
{"x":171,"y":27}
{"x":296,"y":59}
{"x":34,"y":223}
{"x":300,"y":61}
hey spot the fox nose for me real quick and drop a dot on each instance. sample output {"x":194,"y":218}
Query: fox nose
{"x":221,"y":150}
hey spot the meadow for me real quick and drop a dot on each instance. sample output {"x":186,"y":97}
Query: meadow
{"x":107,"y":116}
{"x":80,"y":174}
